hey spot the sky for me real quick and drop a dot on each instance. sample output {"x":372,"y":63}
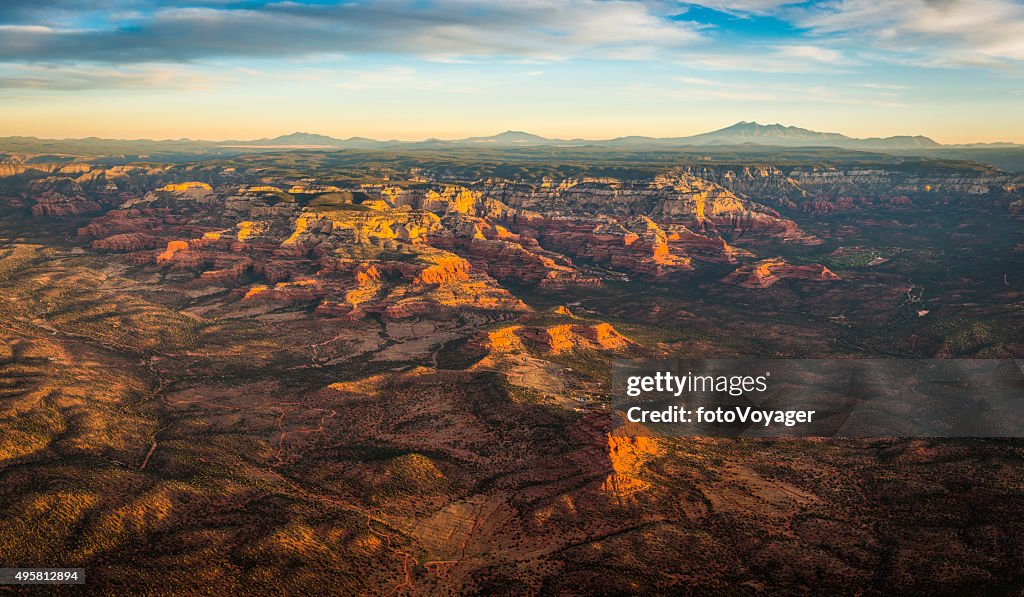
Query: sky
{"x":414,"y":69}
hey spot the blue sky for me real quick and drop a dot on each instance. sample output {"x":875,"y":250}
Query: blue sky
{"x":411,"y":69}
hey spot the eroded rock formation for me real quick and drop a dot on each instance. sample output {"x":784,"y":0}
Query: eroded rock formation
{"x":554,"y":339}
{"x":766,"y":272}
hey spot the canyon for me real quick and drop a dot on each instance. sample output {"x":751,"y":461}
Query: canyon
{"x":390,"y":373}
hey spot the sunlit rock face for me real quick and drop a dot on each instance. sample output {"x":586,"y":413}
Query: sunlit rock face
{"x":767,"y":272}
{"x":555,"y":339}
{"x":421,"y":249}
{"x":636,"y":245}
{"x":627,"y":455}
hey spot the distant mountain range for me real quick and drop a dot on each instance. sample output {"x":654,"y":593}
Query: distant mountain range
{"x":737,"y":134}
{"x":791,"y":136}
{"x":742,"y":135}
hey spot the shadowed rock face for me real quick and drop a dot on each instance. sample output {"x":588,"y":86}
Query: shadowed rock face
{"x":55,"y":205}
{"x":128,"y":242}
{"x":836,"y":188}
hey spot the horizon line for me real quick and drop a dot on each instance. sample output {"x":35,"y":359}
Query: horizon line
{"x":504,"y":132}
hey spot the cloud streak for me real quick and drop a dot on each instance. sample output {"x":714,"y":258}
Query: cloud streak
{"x":921,"y":32}
{"x":930,"y":32}
{"x":757,"y":7}
{"x":790,"y":58}
{"x":62,"y":77}
{"x":77,"y":44}
{"x":535,"y":29}
{"x":696,"y":87}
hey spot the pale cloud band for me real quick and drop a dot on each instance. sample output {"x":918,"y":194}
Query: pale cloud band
{"x":530,"y":29}
{"x":930,"y":31}
{"x":940,"y":32}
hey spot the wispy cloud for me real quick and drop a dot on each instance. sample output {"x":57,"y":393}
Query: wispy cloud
{"x":944,"y":33}
{"x":828,"y":36}
{"x":757,"y":7}
{"x":62,"y":77}
{"x":936,"y":32}
{"x":532,"y":29}
{"x":787,"y":58}
{"x":886,"y":86}
{"x":384,"y":79}
{"x":697,"y":81}
{"x":695,"y":87}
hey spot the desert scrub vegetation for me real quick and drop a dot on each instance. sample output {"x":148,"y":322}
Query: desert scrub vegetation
{"x":39,"y":527}
{"x":16,"y":259}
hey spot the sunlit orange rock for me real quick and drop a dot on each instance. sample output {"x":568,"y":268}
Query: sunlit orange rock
{"x":446,"y":270}
{"x":629,"y":448}
{"x":173,"y":247}
{"x":184,"y":186}
{"x":767,"y":272}
{"x":555,"y":339}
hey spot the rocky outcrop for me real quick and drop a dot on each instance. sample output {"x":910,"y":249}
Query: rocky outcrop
{"x":443,"y":199}
{"x":825,"y":189}
{"x":334,"y":227}
{"x":14,"y":167}
{"x":506,"y":256}
{"x":227,"y":271}
{"x":56,"y":205}
{"x":764,"y":273}
{"x":555,"y":339}
{"x":679,"y":198}
{"x":154,"y":221}
{"x":629,"y":449}
{"x":302,"y":290}
{"x":132,"y":241}
{"x":447,"y":269}
{"x":178,"y":255}
{"x":702,"y":247}
{"x":186,"y":188}
{"x":637,"y":245}
{"x":766,"y":184}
